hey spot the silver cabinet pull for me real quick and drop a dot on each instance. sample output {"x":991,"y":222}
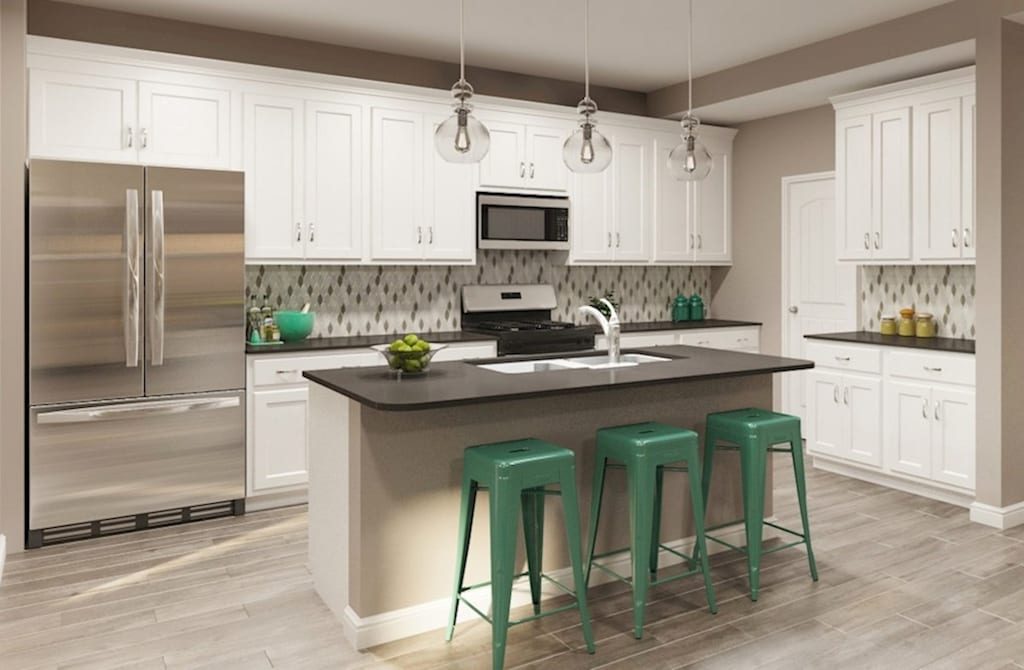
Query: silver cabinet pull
{"x":130,"y":137}
{"x":967,"y":237}
{"x":618,"y":240}
{"x":703,"y":343}
{"x":312,"y":231}
{"x":419,"y":235}
{"x":742,"y":339}
{"x":133,"y":251}
{"x":143,"y":138}
{"x":924,"y":408}
{"x":690,"y":246}
{"x":522,"y":169}
{"x":700,"y":241}
{"x":878,"y":240}
{"x":531,"y":170}
{"x":835,"y":394}
{"x":794,"y":309}
{"x":843,"y":359}
{"x":937,"y":411}
{"x":867,"y":240}
{"x":157,"y":307}
{"x":846,"y":395}
{"x":287,"y":372}
{"x":609,"y":240}
{"x":931,"y":369}
{"x":430,"y":235}
{"x":955,"y":237}
{"x":298,"y":231}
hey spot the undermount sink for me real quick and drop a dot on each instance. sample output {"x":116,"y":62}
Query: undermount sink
{"x":579,"y":363}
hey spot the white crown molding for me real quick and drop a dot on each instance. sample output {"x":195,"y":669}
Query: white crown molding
{"x":998,"y":517}
{"x":940,"y":80}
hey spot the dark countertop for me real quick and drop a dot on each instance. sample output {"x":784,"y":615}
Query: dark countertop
{"x":362,"y":341}
{"x":684,"y":325}
{"x":925,"y":343}
{"x":462,"y":383}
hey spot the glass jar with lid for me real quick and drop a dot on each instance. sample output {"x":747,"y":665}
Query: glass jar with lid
{"x":906,"y":325}
{"x":888,"y":325}
{"x":925,"y":326}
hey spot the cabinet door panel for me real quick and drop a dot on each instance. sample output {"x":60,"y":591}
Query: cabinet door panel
{"x":827,"y":415}
{"x":937,"y":175}
{"x":853,"y":187}
{"x":78,"y":116}
{"x":184,"y":126}
{"x":631,"y":196}
{"x":280,"y":432}
{"x":450,"y":219}
{"x":908,"y":428}
{"x":673,"y":201}
{"x":397,"y":185}
{"x":863,"y":395}
{"x":968,"y":158}
{"x":891,"y":190}
{"x":953,"y":440}
{"x":712,"y":211}
{"x":334,"y":181}
{"x":504,"y":166}
{"x":590,"y":223}
{"x":546,"y":170}
{"x":272,"y":131}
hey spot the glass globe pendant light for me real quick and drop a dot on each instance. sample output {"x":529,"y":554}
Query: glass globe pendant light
{"x":462,"y":138}
{"x":690,"y":161}
{"x":586,"y":150}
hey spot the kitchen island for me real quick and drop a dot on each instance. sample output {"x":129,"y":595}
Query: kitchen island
{"x":386,"y":462}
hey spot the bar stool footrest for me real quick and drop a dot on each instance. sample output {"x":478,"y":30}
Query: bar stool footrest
{"x":653,"y":582}
{"x":565,"y":589}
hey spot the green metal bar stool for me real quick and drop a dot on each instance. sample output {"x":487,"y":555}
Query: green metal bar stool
{"x":645,"y":450}
{"x":516,"y":474}
{"x":755,"y":433}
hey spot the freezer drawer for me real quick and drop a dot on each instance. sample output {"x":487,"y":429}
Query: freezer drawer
{"x":92,"y":462}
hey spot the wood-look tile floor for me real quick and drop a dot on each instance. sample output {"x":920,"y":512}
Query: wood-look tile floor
{"x":905,"y":583}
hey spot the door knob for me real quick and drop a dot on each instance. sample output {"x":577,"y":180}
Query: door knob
{"x":794,"y":309}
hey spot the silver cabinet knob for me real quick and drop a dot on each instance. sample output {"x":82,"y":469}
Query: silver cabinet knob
{"x":794,"y":309}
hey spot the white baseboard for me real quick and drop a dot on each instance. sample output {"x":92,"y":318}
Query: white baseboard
{"x":998,"y":517}
{"x":370,"y":631}
{"x":923,"y":489}
{"x":3,"y":556}
{"x":273,"y":500}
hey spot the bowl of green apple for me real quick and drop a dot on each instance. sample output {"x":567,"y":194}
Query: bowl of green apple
{"x":409,"y":355}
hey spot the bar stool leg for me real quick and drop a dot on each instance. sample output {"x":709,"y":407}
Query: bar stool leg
{"x":753,"y":462}
{"x":640,"y":480}
{"x":504,"y":503}
{"x":701,"y":549}
{"x":659,"y":487}
{"x":596,"y":494}
{"x":533,"y":534}
{"x":710,"y":440}
{"x":571,"y":507}
{"x":468,"y":506}
{"x":801,"y":494}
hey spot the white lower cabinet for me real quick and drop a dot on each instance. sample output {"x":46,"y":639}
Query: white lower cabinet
{"x":920,"y":439}
{"x":277,"y":402}
{"x":732,"y":338}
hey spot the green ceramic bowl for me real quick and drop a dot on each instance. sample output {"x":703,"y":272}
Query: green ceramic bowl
{"x":294,"y":326}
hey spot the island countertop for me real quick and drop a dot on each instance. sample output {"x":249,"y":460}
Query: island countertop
{"x":463,"y":383}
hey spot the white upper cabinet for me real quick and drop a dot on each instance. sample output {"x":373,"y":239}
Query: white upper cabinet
{"x":712,"y":204}
{"x":905,"y":171}
{"x":82,"y":117}
{"x":525,"y":153}
{"x":632,"y":195}
{"x":590,"y":217}
{"x":334,"y":181}
{"x":448,"y":204}
{"x":186,"y":126}
{"x":674,"y":238}
{"x":85,"y":117}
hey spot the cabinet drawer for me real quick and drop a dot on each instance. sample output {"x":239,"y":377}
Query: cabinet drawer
{"x":723,"y":338}
{"x":659,"y":338}
{"x":844,"y":357}
{"x":269,"y":370}
{"x":932,"y":367}
{"x":465,"y":352}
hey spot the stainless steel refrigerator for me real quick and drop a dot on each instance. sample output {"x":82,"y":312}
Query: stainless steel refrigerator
{"x":136,"y":348}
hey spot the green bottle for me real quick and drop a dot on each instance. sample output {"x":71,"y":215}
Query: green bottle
{"x":696,"y":308}
{"x":681,"y":309}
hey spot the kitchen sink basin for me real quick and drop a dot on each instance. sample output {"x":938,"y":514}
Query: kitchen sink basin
{"x":576,"y":363}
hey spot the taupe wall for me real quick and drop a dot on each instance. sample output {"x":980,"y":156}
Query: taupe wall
{"x":88,"y":24}
{"x":12,"y":288}
{"x":764,"y":152}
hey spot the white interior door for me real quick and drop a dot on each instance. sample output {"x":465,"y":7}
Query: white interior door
{"x":820,"y":292}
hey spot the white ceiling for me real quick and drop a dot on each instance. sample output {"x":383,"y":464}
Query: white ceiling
{"x":635,"y":44}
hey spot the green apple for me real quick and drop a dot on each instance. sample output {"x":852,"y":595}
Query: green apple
{"x":411,"y":339}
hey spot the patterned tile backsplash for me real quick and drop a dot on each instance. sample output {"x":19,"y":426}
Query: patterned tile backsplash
{"x":369,"y":300}
{"x":947,"y":291}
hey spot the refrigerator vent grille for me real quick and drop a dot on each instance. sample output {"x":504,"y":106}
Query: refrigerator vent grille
{"x":126,"y":524}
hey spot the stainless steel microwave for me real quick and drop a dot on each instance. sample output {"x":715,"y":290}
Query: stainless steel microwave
{"x":507,"y":221}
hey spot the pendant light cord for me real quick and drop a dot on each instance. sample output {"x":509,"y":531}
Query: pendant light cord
{"x":689,"y":60}
{"x":462,"y":41}
{"x":586,"y":49}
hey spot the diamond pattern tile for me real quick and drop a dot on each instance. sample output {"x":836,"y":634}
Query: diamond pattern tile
{"x":947,"y":291}
{"x":370,"y":300}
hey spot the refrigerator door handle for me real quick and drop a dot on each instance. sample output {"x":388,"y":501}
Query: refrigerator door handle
{"x":136,"y":410}
{"x":133,"y":250}
{"x":157,"y":304}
